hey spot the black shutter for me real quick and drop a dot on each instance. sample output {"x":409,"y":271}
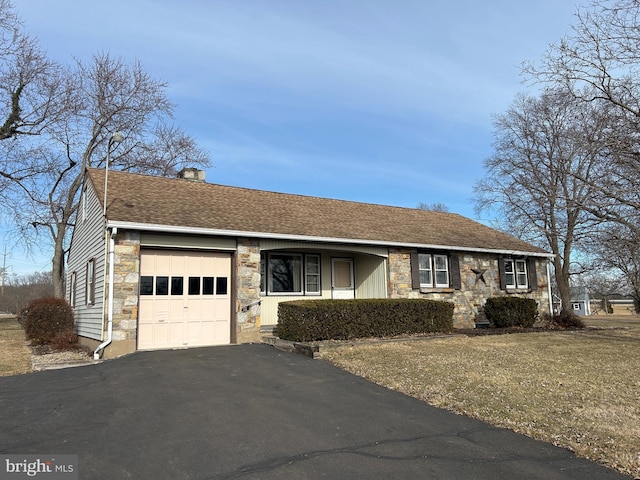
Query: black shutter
{"x":454,"y":274}
{"x":531,"y":273}
{"x":415,"y":270}
{"x":503,"y":276}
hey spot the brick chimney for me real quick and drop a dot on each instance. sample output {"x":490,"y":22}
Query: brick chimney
{"x":192,"y":174}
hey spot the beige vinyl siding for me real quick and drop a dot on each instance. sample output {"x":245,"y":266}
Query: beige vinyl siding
{"x":371,"y":277}
{"x":88,"y":242}
{"x":186,"y":241}
{"x":370,"y":281}
{"x":345,"y":250}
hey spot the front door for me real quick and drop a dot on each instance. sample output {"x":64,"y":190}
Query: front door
{"x":342,"y":278}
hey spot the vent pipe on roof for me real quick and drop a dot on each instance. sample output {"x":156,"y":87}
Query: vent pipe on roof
{"x":192,"y":174}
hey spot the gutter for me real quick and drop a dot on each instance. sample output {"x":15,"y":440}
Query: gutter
{"x":283,"y":236}
{"x":549,"y":288}
{"x":101,"y":347}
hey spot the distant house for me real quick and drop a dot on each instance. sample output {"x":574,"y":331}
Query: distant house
{"x":580,"y":302}
{"x":178,"y":262}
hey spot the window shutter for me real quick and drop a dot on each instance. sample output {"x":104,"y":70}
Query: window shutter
{"x":531,"y":273}
{"x":503,"y":277}
{"x":415,"y":270}
{"x":454,"y":263}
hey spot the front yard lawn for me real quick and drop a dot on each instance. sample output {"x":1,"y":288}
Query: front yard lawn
{"x":15,"y":355}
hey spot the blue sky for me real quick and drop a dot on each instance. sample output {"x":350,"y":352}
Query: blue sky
{"x":368,"y":100}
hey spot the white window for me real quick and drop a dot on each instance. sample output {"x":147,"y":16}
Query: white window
{"x":515,"y":273}
{"x":90,"y":290}
{"x":441,"y":268}
{"x":312,"y":269}
{"x":426,"y":274}
{"x":72,"y":289}
{"x":290,"y":274}
{"x":434,"y":270}
{"x":84,"y":205}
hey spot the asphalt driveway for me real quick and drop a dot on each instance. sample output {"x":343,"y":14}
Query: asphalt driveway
{"x":251,"y":411}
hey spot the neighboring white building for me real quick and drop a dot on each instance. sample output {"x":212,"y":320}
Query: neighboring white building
{"x":580,"y":302}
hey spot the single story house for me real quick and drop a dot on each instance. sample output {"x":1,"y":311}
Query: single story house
{"x":163,"y":262}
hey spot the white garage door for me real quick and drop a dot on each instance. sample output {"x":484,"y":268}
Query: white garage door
{"x":185,"y":299}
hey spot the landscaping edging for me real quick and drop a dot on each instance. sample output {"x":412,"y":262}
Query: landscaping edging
{"x":56,"y":360}
{"x":316,"y":349}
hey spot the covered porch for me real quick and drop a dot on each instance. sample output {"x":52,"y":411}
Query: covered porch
{"x":299,"y":270}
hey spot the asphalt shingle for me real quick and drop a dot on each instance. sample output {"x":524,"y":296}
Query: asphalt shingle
{"x":176,"y":202}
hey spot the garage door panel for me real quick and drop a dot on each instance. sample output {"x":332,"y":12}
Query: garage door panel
{"x":193,"y":315}
{"x":177,"y":266}
{"x":176,"y":310}
{"x":145,"y":331}
{"x":218,"y":308}
{"x":163,"y":262}
{"x":207,"y":332}
{"x":220,"y":331}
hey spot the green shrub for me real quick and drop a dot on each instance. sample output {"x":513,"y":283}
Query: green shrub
{"x":45,"y":318}
{"x":312,"y":320}
{"x":503,"y":312}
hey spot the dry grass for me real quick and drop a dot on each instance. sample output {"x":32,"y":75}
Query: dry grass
{"x":578,"y":390}
{"x":15,"y":355}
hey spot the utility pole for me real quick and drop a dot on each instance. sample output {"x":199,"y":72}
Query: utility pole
{"x":3,"y":271}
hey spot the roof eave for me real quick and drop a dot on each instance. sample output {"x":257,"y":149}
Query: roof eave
{"x":306,"y":238}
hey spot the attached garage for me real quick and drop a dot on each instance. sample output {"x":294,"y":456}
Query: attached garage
{"x":185,"y":299}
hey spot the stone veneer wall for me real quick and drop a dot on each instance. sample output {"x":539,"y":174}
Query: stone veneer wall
{"x":125,"y":293}
{"x":126,"y":287}
{"x":470,"y":299}
{"x":248,"y":290}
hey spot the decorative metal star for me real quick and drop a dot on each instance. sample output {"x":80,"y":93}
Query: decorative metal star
{"x":479,"y":275}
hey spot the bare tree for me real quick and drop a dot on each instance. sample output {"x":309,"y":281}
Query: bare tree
{"x":434,"y":207}
{"x":599,"y":63}
{"x":543,"y":149}
{"x":602,"y":53}
{"x":46,"y":172}
{"x":618,"y":248}
{"x":602,"y":284}
{"x":20,"y":290}
{"x":29,"y":82}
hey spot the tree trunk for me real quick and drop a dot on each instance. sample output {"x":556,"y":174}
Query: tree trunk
{"x":636,"y":300}
{"x":58,"y":263}
{"x":564,"y":288}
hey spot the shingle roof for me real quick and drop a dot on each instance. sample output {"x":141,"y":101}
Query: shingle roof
{"x":175,"y":202}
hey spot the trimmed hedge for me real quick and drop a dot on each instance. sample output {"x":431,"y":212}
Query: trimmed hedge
{"x":313,"y":320}
{"x":503,"y":312}
{"x":46,"y":318}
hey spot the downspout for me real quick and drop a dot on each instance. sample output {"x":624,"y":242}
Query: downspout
{"x":101,"y":347}
{"x":549,"y":288}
